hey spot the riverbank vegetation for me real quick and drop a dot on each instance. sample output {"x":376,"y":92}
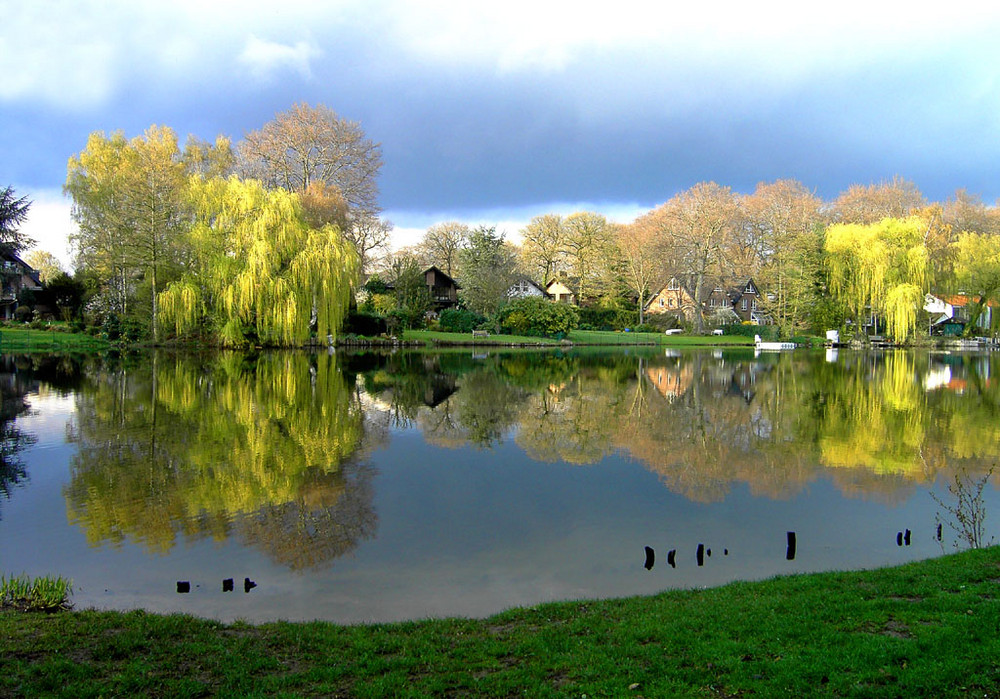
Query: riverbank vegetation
{"x":273,"y":240}
{"x":922,"y":629}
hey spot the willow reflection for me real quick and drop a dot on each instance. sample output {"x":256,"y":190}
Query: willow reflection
{"x":179,"y":446}
{"x":869,"y":423}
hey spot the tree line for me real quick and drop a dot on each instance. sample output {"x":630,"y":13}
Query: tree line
{"x":875,"y":249}
{"x":264,"y":241}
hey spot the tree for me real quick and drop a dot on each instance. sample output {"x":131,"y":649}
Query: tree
{"x":543,"y":246}
{"x":896,"y":198}
{"x":209,"y":160}
{"x":589,"y":245}
{"x":13,"y":212}
{"x":977,"y":272}
{"x":260,"y":273}
{"x":639,"y":246}
{"x":45,"y":263}
{"x":65,"y":294}
{"x":370,"y":236}
{"x":694,"y":224}
{"x":883,"y":266}
{"x":442,"y":243}
{"x":489,"y":268}
{"x":312,"y":144}
{"x":127,"y":203}
{"x":784,"y":219}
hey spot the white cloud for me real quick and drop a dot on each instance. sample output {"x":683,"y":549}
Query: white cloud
{"x":50,"y":223}
{"x":264,"y":59}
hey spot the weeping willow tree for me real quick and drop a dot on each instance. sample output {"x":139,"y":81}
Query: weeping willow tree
{"x":883,"y":266}
{"x":260,"y":273}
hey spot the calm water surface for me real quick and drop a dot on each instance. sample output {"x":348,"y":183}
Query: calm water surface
{"x":377,"y":486}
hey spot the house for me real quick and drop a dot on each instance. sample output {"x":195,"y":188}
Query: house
{"x":442,"y":288}
{"x":15,"y":276}
{"x":746,"y":302}
{"x":950,"y":314}
{"x":560,"y":291}
{"x":524,"y":287}
{"x":674,"y":299}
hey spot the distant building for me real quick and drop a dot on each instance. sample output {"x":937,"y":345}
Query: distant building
{"x":16,"y":276}
{"x":673,"y":298}
{"x":561,"y":291}
{"x":442,"y":288}
{"x":524,"y":288}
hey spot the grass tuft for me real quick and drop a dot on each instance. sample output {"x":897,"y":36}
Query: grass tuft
{"x":42,"y":594}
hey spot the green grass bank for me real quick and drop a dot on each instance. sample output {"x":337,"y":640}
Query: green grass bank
{"x":27,"y":340}
{"x":926,"y":629}
{"x":578,"y":337}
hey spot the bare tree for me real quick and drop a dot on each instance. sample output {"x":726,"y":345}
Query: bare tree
{"x":896,"y":198}
{"x":543,"y":246}
{"x":640,"y":249}
{"x":695,"y":224}
{"x":441,"y":244}
{"x":308,"y":144}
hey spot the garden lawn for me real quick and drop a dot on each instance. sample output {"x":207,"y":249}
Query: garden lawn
{"x":27,"y":340}
{"x":580,"y":337}
{"x":927,"y":629}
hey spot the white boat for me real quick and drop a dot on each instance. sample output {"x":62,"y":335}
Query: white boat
{"x":771,"y":346}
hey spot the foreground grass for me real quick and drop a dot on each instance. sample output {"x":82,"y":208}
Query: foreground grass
{"x":925,"y":629}
{"x":27,"y":340}
{"x":579,"y":337}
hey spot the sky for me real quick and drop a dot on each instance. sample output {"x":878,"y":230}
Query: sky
{"x":492,"y":113}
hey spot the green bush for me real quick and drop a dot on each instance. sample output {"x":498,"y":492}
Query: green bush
{"x":23,"y":313}
{"x":459,"y":320}
{"x":537,"y":317}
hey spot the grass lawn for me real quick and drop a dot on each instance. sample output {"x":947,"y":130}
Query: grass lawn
{"x":926,"y":629}
{"x":27,"y":340}
{"x":580,"y":337}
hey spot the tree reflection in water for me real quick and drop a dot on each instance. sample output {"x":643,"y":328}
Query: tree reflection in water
{"x":21,"y":375}
{"x":264,"y":446}
{"x":873,"y":423}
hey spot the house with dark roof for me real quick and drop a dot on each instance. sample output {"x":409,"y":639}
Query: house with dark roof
{"x":16,"y":276}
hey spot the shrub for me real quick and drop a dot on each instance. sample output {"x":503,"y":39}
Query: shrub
{"x":538,"y":318}
{"x":646,"y":328}
{"x":23,"y":314}
{"x":460,"y":320}
{"x":367,"y":324}
{"x":607,"y":319}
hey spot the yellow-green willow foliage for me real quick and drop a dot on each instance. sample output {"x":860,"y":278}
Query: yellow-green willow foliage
{"x":258,"y":270}
{"x":877,"y":419}
{"x":883,"y":266}
{"x":187,"y":446}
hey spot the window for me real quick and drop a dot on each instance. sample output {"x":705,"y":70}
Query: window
{"x":749,"y":288}
{"x":672,"y":285}
{"x":661,"y":302}
{"x":670,"y":303}
{"x":743,"y":304}
{"x":753,"y":304}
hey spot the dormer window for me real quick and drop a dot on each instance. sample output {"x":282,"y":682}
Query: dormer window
{"x":672,"y":285}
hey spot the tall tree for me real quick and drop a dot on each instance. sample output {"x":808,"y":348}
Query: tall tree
{"x":127,"y":203}
{"x":261,"y":274}
{"x":489,"y":268}
{"x":207,"y":159}
{"x":13,"y":212}
{"x":640,"y":248}
{"x":784,"y":219}
{"x":977,"y":272}
{"x":589,"y":245}
{"x":308,"y":144}
{"x":881,"y":266}
{"x":543,"y":246}
{"x":694,"y":224}
{"x":45,"y":263}
{"x":895,"y":198}
{"x":442,"y":243}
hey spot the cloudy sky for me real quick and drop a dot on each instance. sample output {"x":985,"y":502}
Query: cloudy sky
{"x":496,"y":112}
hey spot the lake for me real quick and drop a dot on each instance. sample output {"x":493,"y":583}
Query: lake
{"x":381,"y":486}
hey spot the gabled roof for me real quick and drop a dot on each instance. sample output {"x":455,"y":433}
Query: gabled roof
{"x":435,"y":268}
{"x":27,"y":269}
